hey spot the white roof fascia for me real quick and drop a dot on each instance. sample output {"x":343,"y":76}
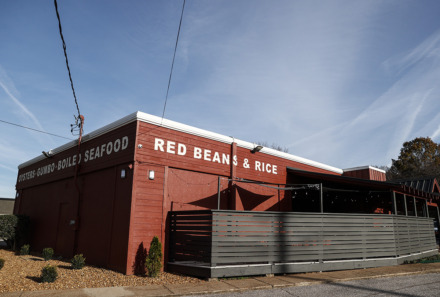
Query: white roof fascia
{"x":158,"y":121}
{"x":362,"y":168}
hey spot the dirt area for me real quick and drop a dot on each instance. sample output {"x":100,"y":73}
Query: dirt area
{"x":22,"y":273}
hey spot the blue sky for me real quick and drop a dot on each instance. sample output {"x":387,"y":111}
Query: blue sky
{"x":344,"y":83}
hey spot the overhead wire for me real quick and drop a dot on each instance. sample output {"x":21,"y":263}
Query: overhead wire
{"x":78,"y":119}
{"x":172,"y":64}
{"x":35,"y":130}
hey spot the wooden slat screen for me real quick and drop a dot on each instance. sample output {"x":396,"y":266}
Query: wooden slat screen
{"x":219,"y":237}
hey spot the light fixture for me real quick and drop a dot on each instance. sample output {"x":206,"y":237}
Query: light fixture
{"x":256,"y":149}
{"x":151,"y":174}
{"x":123,"y":173}
{"x":48,"y":154}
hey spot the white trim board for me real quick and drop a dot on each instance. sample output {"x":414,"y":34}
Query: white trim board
{"x":158,"y":121}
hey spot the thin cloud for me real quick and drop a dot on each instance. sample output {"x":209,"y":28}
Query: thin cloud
{"x":7,"y":85}
{"x":14,"y":170}
{"x":436,"y":133}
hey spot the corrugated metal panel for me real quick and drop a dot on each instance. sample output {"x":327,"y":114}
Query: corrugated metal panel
{"x":425,"y":184}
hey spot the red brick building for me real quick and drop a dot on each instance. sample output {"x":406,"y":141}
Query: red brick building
{"x":113,"y":192}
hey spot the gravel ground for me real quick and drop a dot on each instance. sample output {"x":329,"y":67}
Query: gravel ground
{"x":22,"y":273}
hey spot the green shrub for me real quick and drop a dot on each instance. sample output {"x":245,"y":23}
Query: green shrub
{"x":47,"y":254}
{"x":2,"y":263}
{"x":7,"y":228}
{"x":49,"y":274}
{"x":14,"y":229}
{"x":78,"y":261}
{"x":25,"y":249}
{"x":153,"y":262}
{"x":22,"y":230}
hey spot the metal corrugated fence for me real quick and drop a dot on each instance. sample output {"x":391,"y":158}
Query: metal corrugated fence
{"x":228,"y":243}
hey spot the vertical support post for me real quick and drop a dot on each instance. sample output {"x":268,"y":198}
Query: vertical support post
{"x":218,"y":194}
{"x":406,"y":207}
{"x":321,"y":197}
{"x":394,"y":203}
{"x":232,"y":203}
{"x":426,"y":209}
{"x":172,"y":244}
{"x":415,"y":206}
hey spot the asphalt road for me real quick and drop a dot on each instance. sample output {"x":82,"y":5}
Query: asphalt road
{"x":406,"y":286}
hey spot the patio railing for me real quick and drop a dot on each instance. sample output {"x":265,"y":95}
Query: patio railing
{"x":219,"y":243}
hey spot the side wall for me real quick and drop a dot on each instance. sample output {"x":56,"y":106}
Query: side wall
{"x":89,"y":214}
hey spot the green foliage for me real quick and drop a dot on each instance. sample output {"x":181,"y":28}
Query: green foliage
{"x":431,"y":259}
{"x":78,"y":261}
{"x":418,"y":158}
{"x":7,"y":228}
{"x":25,"y":249}
{"x":22,"y":230}
{"x":49,"y":274}
{"x":2,"y":263}
{"x":14,"y":229}
{"x":154,"y":258}
{"x":47,"y":254}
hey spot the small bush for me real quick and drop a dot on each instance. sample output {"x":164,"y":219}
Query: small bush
{"x":7,"y":228}
{"x":2,"y":263}
{"x":153,"y":262}
{"x":47,"y":254}
{"x":78,"y":261}
{"x":25,"y":249}
{"x":49,"y":274}
{"x":14,"y":229}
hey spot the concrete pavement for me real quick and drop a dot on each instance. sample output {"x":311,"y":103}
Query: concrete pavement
{"x":240,"y":284}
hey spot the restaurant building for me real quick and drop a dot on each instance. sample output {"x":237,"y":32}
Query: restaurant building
{"x":110,"y":195}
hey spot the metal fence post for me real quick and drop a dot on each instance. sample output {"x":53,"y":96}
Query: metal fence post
{"x":406,"y":207}
{"x":321,"y":197}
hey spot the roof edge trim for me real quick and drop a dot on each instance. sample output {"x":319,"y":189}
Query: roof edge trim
{"x":362,"y":168}
{"x":158,"y":121}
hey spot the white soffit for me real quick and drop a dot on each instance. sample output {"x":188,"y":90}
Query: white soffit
{"x":158,"y":121}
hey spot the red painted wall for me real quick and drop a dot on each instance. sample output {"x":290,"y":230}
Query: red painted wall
{"x":94,"y":223}
{"x":186,"y":178}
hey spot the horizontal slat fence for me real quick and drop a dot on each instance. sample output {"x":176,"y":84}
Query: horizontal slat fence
{"x":274,"y":242}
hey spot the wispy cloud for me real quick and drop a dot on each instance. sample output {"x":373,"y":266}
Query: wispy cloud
{"x":8,"y":87}
{"x":4,"y":81}
{"x":14,"y":170}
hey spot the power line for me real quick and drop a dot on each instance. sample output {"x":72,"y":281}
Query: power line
{"x":34,"y":129}
{"x":65,"y":55}
{"x":174,"y":56}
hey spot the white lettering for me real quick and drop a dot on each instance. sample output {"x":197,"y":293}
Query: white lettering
{"x":274,"y":169}
{"x":97,"y":153}
{"x":124,"y":142}
{"x":181,"y":149}
{"x":216,"y":158}
{"x":158,"y":144}
{"x":268,"y":168}
{"x":116,"y":146}
{"x":197,"y":153}
{"x":235,"y":161}
{"x":207,"y":155}
{"x":171,"y":146}
{"x":92,"y":154}
{"x":257,"y":165}
{"x":109,"y":148}
{"x":225,"y":159}
{"x":86,"y":156}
